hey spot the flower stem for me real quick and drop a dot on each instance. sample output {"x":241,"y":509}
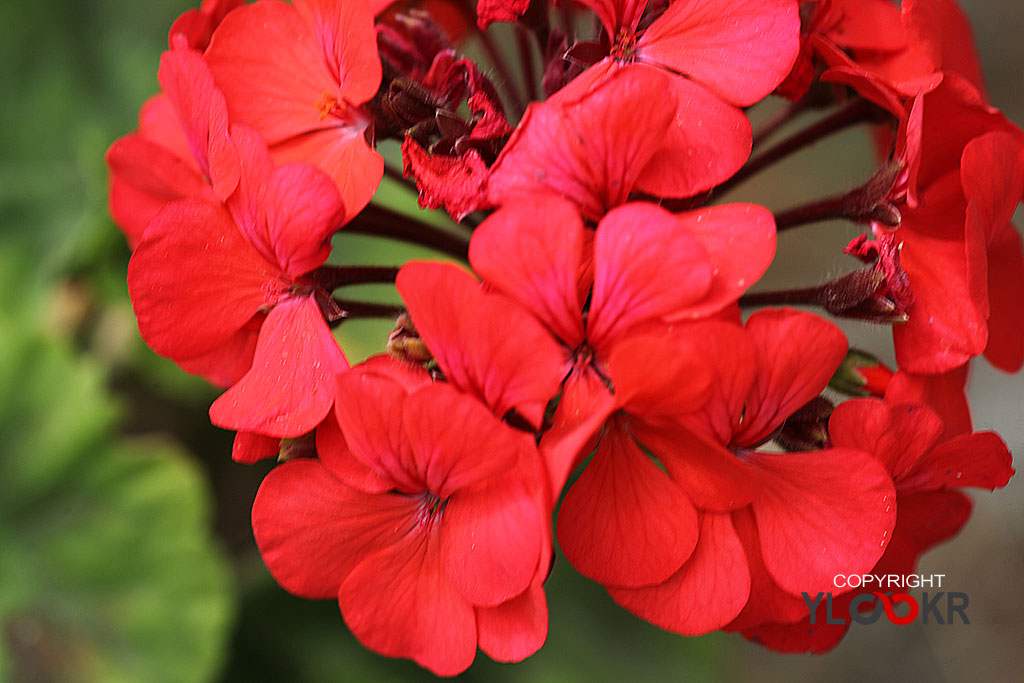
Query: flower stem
{"x":526,"y":60}
{"x":382,"y":222}
{"x":856,"y":112}
{"x":353,"y":310}
{"x":331,"y":277}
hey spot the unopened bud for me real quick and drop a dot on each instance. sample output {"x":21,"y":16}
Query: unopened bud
{"x":404,"y":342}
{"x":807,"y":428}
{"x":861,"y":374}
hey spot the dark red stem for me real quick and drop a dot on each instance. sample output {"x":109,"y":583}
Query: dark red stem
{"x":382,"y":222}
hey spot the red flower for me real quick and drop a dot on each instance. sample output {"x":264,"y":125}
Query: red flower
{"x":198,"y":24}
{"x":298,"y":74}
{"x":207,"y":279}
{"x":926,"y":460}
{"x":429,"y":527}
{"x":180,"y":151}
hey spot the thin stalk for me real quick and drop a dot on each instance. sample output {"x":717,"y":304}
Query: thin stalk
{"x":856,"y":112}
{"x":779,"y":119}
{"x":332,"y":277}
{"x":501,"y":66}
{"x":353,"y":310}
{"x":523,"y":42}
{"x":382,"y":222}
{"x":399,"y":177}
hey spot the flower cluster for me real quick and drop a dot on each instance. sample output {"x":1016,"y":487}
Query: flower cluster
{"x":602,"y":364}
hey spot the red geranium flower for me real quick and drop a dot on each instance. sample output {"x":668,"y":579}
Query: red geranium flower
{"x":429,"y":527}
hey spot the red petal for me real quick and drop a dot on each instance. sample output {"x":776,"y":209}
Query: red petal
{"x":303,"y":211}
{"x":399,"y":603}
{"x":312,"y":530}
{"x":485,"y":343}
{"x":897,"y":434}
{"x":646,"y":265}
{"x":250,"y":448}
{"x":349,"y":42}
{"x":516,"y":629}
{"x":658,"y":377}
{"x":290,"y":388}
{"x":195,"y":280}
{"x":980,"y":460}
{"x":925,"y":519}
{"x":334,"y":453}
{"x":228,"y":362}
{"x":1005,"y":348}
{"x":488,"y":11}
{"x":624,"y":522}
{"x":740,"y":242}
{"x":942,"y":30}
{"x":584,"y":144}
{"x":582,"y":408}
{"x":491,"y":539}
{"x":797,"y":355}
{"x":741,"y":49}
{"x":820,"y":514}
{"x":617,"y":14}
{"x":707,"y":593}
{"x":455,"y":441}
{"x":458,"y":184}
{"x":867,"y":25}
{"x":186,"y":79}
{"x":708,"y":141}
{"x":944,"y":393}
{"x":532,"y":251}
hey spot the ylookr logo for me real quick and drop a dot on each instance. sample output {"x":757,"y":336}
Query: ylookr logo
{"x":899,"y":608}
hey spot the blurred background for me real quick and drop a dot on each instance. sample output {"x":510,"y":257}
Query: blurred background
{"x":125,"y":549}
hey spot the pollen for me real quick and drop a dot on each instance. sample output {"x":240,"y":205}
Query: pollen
{"x":327,"y":105}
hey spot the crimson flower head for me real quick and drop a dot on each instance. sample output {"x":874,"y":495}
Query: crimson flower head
{"x":299,"y":74}
{"x":222,"y":290}
{"x":427,"y":522}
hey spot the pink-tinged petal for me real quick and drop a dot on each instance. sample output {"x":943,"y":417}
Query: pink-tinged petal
{"x":203,"y":114}
{"x":312,"y":530}
{"x":399,"y":603}
{"x":195,"y":281}
{"x":942,"y":30}
{"x":145,"y":177}
{"x":491,"y":539}
{"x":944,"y":393}
{"x":625,"y":522}
{"x":342,"y":153}
{"x":586,"y":144}
{"x":797,"y":355}
{"x":980,"y":460}
{"x":584,"y":405}
{"x":334,"y":454}
{"x":711,"y":476}
{"x":767,"y":602}
{"x":708,"y":141}
{"x":647,"y":265}
{"x":485,"y":343}
{"x":659,"y":377}
{"x":740,"y":242}
{"x":945,"y":328}
{"x":228,"y":362}
{"x":290,"y":388}
{"x":249,"y":448}
{"x":516,"y":629}
{"x":820,"y":514}
{"x":455,"y":441}
{"x":898,"y":434}
{"x":303,"y":211}
{"x":531,"y":250}
{"x":1005,"y":348}
{"x":159,"y":123}
{"x":368,"y":407}
{"x":741,"y":49}
{"x":707,"y":593}
{"x":348,"y":39}
{"x":270,"y":67}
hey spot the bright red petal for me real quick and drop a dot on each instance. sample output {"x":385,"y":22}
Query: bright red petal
{"x":195,"y":280}
{"x":250,"y":448}
{"x":1005,"y":348}
{"x":290,"y":388}
{"x":897,"y":434}
{"x":625,"y":522}
{"x":944,"y":393}
{"x":820,"y":514}
{"x":303,"y":211}
{"x":334,"y":453}
{"x":399,"y":603}
{"x":349,"y":42}
{"x":646,"y":265}
{"x":797,"y":355}
{"x":980,"y":460}
{"x":516,"y":629}
{"x":532,"y":250}
{"x":707,"y":593}
{"x":741,"y":49}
